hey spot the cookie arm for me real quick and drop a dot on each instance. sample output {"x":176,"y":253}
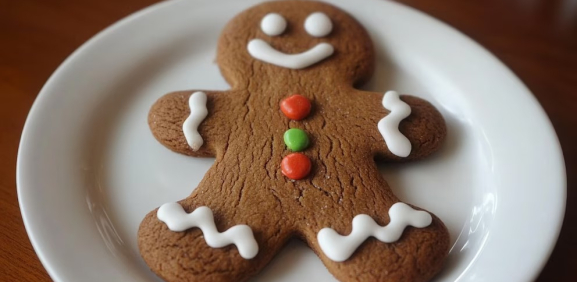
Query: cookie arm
{"x":188,"y":122}
{"x":424,"y":128}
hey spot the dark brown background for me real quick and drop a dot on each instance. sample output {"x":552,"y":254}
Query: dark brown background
{"x":537,"y":39}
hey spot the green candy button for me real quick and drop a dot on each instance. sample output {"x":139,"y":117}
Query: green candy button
{"x":296,"y":139}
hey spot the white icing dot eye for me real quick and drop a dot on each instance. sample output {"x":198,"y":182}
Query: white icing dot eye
{"x":318,"y":24}
{"x":273,"y":24}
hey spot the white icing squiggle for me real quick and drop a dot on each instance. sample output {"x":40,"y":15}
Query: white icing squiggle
{"x":198,"y":112}
{"x":397,"y":143}
{"x":340,"y":248}
{"x":261,"y":50}
{"x":178,"y":220}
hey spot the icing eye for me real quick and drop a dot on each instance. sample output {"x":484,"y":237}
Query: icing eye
{"x":273,"y":24}
{"x":318,"y":24}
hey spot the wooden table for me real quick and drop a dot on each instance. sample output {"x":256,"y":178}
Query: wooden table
{"x":537,"y":39}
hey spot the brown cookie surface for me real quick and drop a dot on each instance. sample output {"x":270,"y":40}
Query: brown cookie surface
{"x":244,"y":131}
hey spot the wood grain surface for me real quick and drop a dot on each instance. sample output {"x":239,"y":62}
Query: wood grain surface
{"x":537,"y":39}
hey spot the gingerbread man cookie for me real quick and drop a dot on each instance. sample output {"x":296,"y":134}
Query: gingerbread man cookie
{"x":295,"y":146}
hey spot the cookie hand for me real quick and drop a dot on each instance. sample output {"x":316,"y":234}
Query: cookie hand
{"x":187,"y":122}
{"x":420,"y":130}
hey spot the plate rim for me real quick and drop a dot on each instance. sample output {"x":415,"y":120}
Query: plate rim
{"x":42,"y":95}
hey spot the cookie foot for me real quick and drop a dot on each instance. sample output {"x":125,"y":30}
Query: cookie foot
{"x":417,"y":256}
{"x":182,"y":243}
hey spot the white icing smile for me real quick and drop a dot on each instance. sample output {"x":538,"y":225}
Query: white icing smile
{"x":261,"y":50}
{"x":317,"y":25}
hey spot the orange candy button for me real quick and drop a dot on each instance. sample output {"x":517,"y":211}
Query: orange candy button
{"x":296,"y":107}
{"x":296,"y":166}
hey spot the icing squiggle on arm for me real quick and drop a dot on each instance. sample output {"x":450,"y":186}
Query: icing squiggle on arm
{"x":178,"y":220}
{"x":397,"y":143}
{"x":198,"y":112}
{"x":339,"y":248}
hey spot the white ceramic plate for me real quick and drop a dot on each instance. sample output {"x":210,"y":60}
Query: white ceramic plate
{"x":89,"y":169}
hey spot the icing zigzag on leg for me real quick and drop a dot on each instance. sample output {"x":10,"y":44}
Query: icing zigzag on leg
{"x":178,"y":220}
{"x":340,"y":248}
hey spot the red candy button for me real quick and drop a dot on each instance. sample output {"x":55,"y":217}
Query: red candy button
{"x":296,"y":107}
{"x":296,"y":166}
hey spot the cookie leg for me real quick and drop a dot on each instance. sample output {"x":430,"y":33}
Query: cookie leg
{"x":417,"y":256}
{"x":184,"y":254}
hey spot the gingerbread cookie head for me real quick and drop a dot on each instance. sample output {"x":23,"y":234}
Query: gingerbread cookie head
{"x":296,"y":40}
